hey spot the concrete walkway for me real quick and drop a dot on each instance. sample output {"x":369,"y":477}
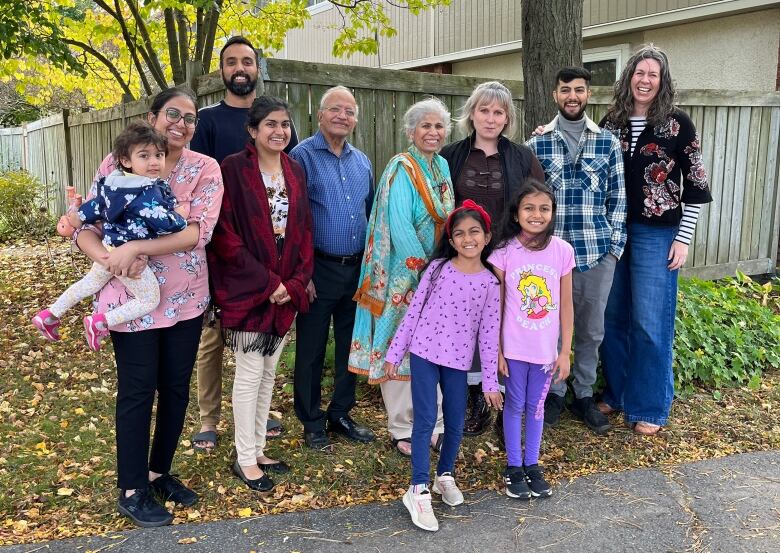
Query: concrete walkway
{"x":730,"y":505}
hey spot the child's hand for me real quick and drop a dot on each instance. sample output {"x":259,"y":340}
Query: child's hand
{"x":183,"y":209}
{"x":74,"y":220}
{"x":390,"y":370}
{"x":503,"y":367}
{"x":562,"y":367}
{"x":495,"y":400}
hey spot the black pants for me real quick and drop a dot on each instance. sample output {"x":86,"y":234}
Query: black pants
{"x":156,"y":360}
{"x":335,"y":284}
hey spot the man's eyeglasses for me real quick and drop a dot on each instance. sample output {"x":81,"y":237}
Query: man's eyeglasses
{"x":173,"y":115}
{"x":335,"y":110}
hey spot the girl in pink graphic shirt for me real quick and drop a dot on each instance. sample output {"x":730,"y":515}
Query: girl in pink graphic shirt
{"x":534,"y":268}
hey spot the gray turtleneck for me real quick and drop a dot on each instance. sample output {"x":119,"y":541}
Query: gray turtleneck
{"x":571,"y":131}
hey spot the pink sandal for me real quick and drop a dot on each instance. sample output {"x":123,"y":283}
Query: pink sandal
{"x":49,"y":330}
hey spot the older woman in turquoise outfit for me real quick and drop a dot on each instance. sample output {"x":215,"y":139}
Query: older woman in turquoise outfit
{"x":413,"y":198}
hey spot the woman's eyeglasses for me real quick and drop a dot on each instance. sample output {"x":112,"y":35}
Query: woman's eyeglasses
{"x":173,"y":115}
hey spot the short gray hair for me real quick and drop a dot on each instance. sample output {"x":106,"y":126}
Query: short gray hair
{"x":485,"y":94}
{"x":338,"y":88}
{"x":415,"y":114}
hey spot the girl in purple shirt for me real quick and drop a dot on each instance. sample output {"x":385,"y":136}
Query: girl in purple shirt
{"x":456,"y":305}
{"x":534,"y":268}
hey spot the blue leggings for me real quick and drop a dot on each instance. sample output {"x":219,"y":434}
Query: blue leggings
{"x":425,"y":377}
{"x":526,"y":389}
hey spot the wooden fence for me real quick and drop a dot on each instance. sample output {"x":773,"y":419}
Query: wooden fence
{"x":739,"y":135}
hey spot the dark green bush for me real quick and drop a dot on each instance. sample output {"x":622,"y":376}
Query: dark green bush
{"x":23,"y":212}
{"x":727,"y":332}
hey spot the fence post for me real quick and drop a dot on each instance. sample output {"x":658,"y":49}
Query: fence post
{"x":68,"y":149}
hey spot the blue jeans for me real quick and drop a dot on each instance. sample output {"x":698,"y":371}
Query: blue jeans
{"x":425,"y":377}
{"x":636,"y":353}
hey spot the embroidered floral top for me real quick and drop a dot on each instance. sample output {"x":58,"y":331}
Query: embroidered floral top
{"x":665,"y":170}
{"x":183,"y":276}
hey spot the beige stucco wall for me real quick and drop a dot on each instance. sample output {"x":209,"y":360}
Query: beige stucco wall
{"x":739,"y":52}
{"x":732,"y":53}
{"x":506,"y":66}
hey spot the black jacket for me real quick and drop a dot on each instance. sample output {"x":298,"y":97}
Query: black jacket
{"x":517,"y":160}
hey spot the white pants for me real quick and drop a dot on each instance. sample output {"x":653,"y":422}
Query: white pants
{"x":145,"y":291}
{"x":397,"y":395}
{"x":252,"y":390}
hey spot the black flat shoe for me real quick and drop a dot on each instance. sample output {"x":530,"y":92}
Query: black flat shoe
{"x":142,"y":508}
{"x":262,"y":484}
{"x":279,"y":467}
{"x":352,"y":430}
{"x":317,"y":440}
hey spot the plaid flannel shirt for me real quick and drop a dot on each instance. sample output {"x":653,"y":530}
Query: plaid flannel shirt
{"x":590,"y":190}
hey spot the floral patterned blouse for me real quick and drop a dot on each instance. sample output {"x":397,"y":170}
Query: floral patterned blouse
{"x":665,"y":170}
{"x":183,"y":276}
{"x":278,"y":202}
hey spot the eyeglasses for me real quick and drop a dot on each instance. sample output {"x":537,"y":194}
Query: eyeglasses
{"x":335,"y":110}
{"x":173,"y":115}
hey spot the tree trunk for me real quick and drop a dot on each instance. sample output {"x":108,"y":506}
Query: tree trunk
{"x":552,"y":39}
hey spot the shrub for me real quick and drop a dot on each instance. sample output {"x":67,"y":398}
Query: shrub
{"x":23,"y":212}
{"x":727,"y":332}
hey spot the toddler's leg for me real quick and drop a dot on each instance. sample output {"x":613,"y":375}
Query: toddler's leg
{"x":514,"y":406}
{"x":536,"y":392}
{"x":146,"y":292}
{"x":91,"y":283}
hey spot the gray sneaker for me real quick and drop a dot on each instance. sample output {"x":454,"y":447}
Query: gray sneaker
{"x":445,"y":486}
{"x":419,"y":507}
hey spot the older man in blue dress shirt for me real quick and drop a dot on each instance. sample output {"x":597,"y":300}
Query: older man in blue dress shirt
{"x":340,"y":186}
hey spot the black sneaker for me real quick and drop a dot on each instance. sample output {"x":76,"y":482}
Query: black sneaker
{"x":142,"y":508}
{"x":516,"y":485}
{"x":585,"y":409}
{"x":170,"y":487}
{"x":553,"y":407}
{"x":536,"y":482}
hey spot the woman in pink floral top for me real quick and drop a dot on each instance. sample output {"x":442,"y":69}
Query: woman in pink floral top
{"x":156,"y":353}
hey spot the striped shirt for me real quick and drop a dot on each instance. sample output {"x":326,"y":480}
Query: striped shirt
{"x":340,"y":192}
{"x":690,"y":215}
{"x":589,"y":190}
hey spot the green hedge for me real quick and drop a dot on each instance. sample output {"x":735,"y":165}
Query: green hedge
{"x":23,"y":212}
{"x":728,"y":332}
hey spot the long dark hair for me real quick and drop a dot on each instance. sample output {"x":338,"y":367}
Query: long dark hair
{"x":446,"y":251}
{"x":510,"y":228}
{"x":623,"y":99}
{"x":162,"y":98}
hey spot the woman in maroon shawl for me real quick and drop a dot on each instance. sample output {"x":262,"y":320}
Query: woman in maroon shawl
{"x":260,"y":260}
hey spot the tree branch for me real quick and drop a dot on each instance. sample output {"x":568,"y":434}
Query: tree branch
{"x":173,"y":48}
{"x":147,"y":50}
{"x":105,"y":61}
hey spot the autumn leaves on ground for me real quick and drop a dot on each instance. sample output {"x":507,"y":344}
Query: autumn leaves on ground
{"x":57,"y":472}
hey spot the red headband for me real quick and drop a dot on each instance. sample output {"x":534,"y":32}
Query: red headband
{"x":468,"y":204}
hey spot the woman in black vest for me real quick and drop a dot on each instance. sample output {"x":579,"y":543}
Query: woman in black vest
{"x":489,"y":168}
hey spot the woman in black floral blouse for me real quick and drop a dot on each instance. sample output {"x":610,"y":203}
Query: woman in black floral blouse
{"x":666,"y":183}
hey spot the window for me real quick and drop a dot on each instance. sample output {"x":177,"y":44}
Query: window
{"x":605,"y":63}
{"x":317,"y":6}
{"x":604,"y":72}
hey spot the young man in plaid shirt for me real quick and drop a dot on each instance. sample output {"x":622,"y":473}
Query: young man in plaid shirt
{"x":583,"y":165}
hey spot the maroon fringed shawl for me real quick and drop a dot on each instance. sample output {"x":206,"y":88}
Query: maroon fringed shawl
{"x":243,"y":263}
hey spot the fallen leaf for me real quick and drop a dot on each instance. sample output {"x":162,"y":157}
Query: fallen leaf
{"x":185,"y":541}
{"x":245,"y":512}
{"x":67,"y":492}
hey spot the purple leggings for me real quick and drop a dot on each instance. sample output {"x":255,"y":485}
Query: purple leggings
{"x":526,"y":388}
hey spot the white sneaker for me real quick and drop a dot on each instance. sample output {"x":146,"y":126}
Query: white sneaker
{"x":419,"y":506}
{"x":445,"y":486}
